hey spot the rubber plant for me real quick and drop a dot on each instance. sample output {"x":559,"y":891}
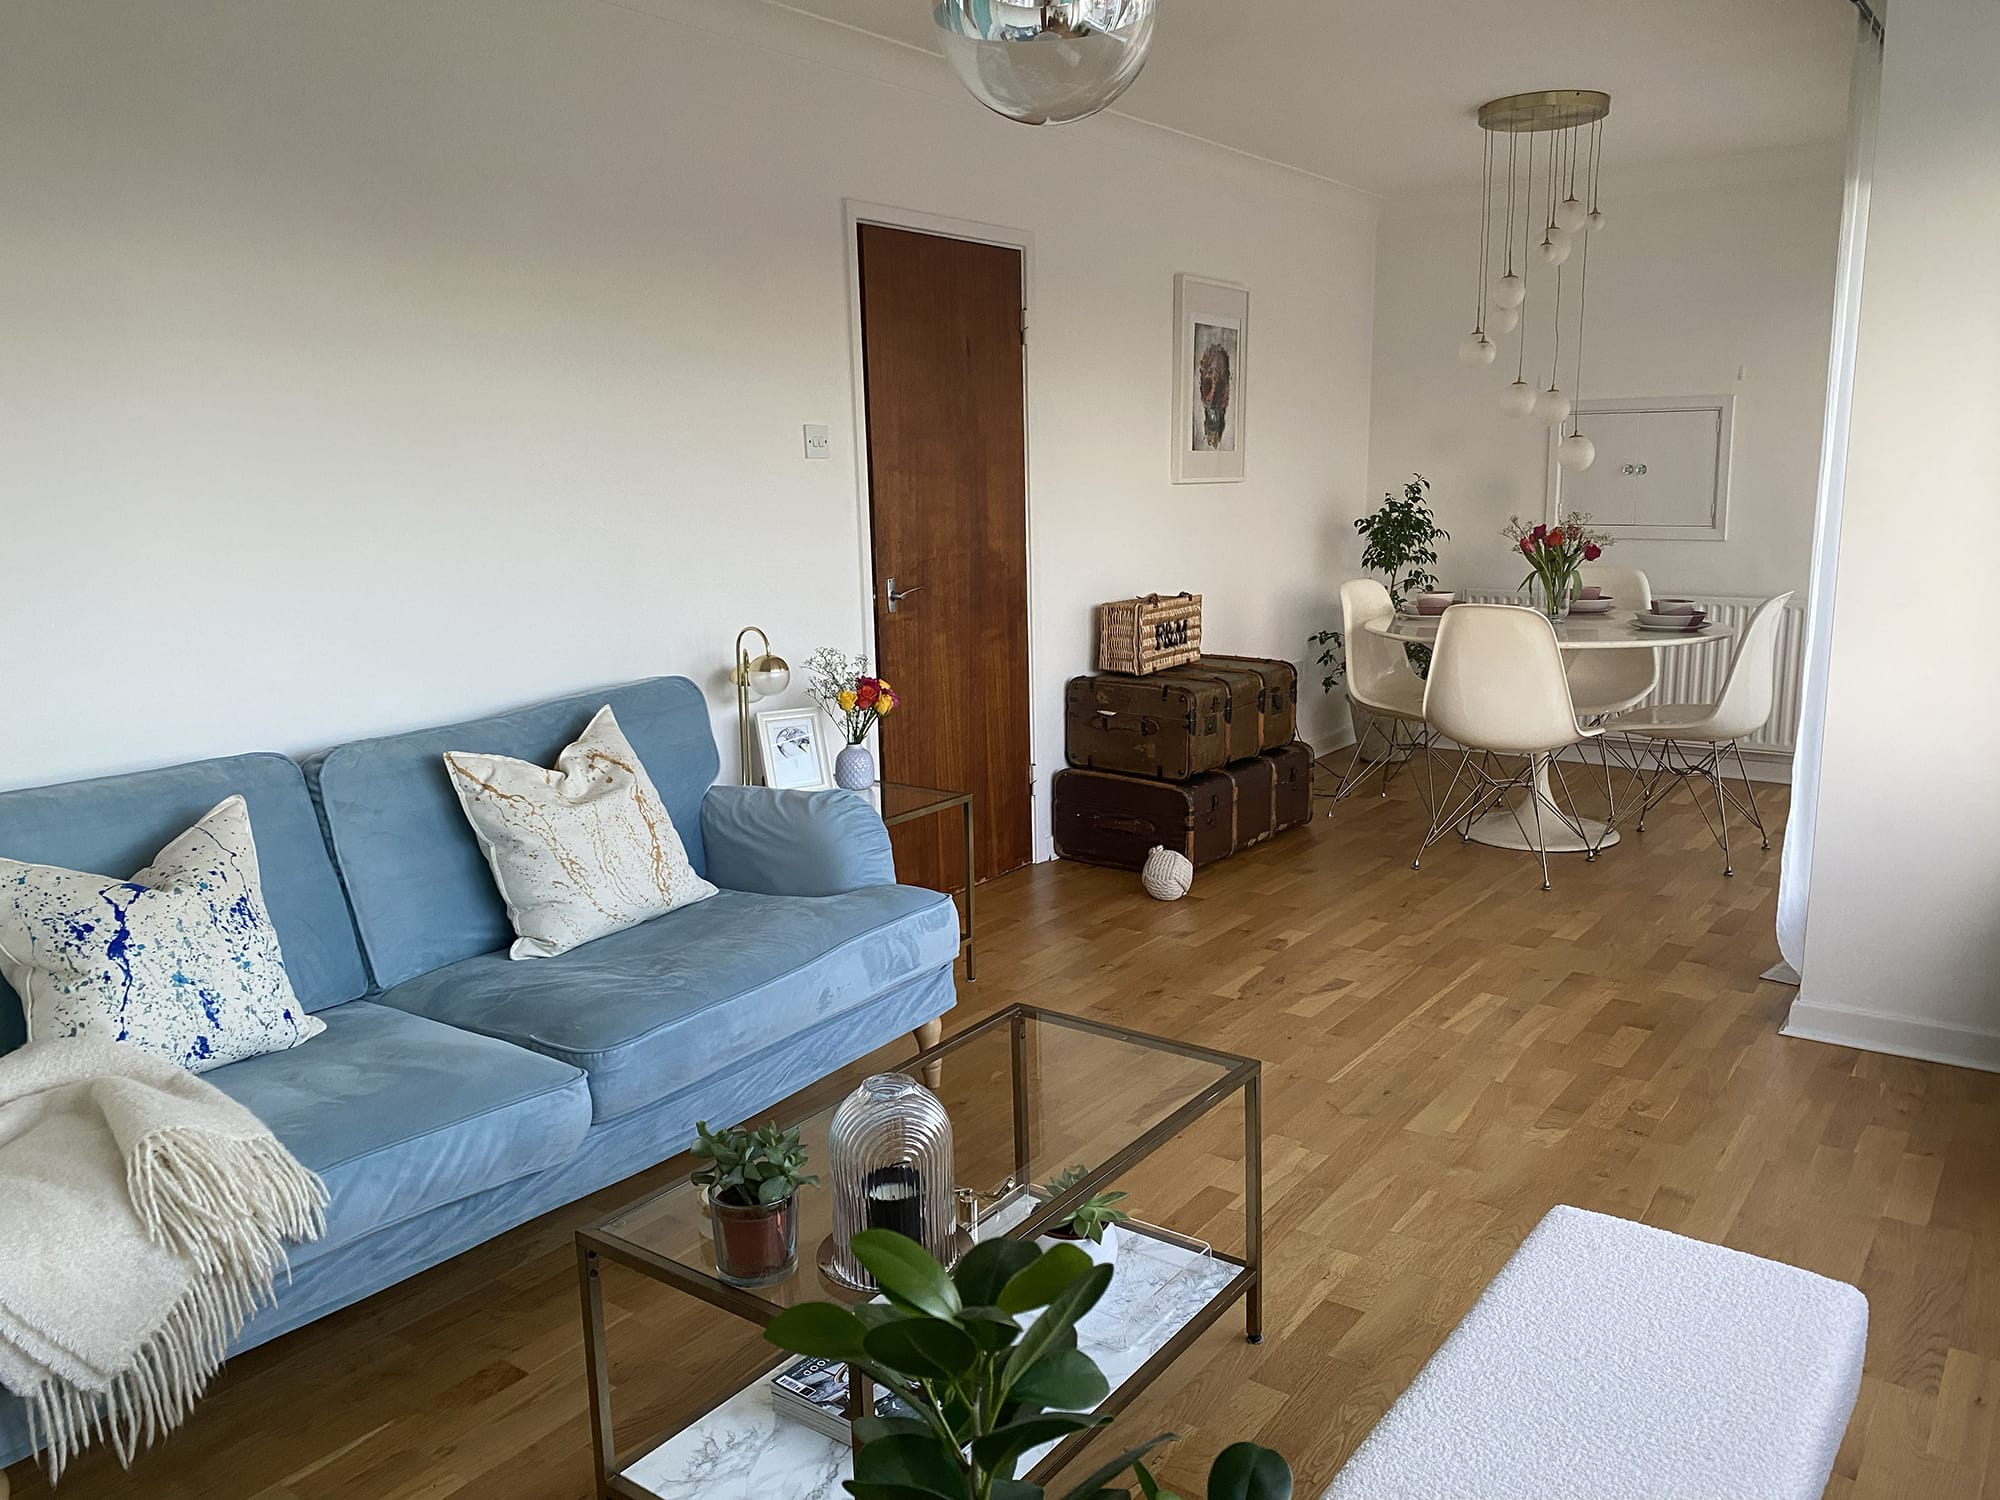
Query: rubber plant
{"x":987,"y":1382}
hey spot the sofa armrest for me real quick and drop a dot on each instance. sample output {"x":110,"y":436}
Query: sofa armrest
{"x":779,"y":843}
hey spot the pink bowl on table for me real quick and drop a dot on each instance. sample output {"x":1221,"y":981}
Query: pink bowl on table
{"x":1435,"y":604}
{"x":1675,"y":607}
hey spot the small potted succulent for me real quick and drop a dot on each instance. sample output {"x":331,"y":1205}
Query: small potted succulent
{"x":1092,"y":1226}
{"x":753,"y":1179}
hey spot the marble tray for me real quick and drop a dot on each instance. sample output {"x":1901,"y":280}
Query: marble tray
{"x":743,"y":1450}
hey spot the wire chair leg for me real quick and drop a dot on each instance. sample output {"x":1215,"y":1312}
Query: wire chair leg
{"x":1721,"y":810}
{"x":1749,"y":796}
{"x":1534,"y":799}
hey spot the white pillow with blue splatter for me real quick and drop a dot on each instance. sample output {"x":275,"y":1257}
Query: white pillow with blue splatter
{"x":181,"y":960}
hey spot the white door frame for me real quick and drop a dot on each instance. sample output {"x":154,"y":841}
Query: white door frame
{"x":855,"y":213}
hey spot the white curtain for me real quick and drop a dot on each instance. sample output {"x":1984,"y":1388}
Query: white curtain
{"x":1864,"y":90}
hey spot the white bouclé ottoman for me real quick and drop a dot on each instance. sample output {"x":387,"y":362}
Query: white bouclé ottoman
{"x":1612,"y":1361}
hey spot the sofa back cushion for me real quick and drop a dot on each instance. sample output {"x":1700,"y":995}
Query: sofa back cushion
{"x":115,"y":825}
{"x":422,"y":892}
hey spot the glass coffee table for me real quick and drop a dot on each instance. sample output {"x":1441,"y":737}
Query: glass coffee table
{"x":1031,"y":1093}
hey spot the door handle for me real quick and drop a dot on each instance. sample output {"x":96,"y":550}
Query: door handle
{"x":897,"y":596}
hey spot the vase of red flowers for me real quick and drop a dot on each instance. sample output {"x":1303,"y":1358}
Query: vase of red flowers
{"x":1556,"y":555}
{"x":856,"y":702}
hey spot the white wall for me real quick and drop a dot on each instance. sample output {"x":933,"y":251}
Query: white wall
{"x":370,"y":364}
{"x":1903,"y":930}
{"x":1708,"y":279}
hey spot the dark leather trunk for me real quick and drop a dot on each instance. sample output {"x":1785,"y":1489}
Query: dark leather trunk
{"x":1166,"y":727}
{"x":1278,"y":704}
{"x":1242,"y":702}
{"x":1107,"y":819}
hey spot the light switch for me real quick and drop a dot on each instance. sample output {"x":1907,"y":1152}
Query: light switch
{"x":819,"y":442}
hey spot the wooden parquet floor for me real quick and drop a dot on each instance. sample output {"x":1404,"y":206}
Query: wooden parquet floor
{"x":1448,"y":1053}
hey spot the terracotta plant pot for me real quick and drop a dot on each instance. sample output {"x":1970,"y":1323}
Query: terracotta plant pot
{"x":755,"y":1244}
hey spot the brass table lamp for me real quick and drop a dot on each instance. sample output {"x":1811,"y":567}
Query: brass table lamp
{"x":762,"y":676}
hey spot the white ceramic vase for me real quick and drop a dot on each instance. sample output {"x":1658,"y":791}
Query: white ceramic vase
{"x":854,"y":768}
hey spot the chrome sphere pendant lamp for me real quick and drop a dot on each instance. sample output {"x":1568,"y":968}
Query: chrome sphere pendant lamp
{"x":1548,"y":211}
{"x":1046,"y":64}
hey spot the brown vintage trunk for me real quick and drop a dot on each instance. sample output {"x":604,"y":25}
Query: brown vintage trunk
{"x":1242,"y":702}
{"x":1105,"y":819}
{"x":1168,"y":728}
{"x":1279,"y":704}
{"x":1256,"y":800}
{"x":1293,"y":764}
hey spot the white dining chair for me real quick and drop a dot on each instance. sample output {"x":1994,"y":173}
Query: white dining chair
{"x":1609,"y":682}
{"x":1497,"y":687}
{"x":1691,"y":740}
{"x":1380,"y":682}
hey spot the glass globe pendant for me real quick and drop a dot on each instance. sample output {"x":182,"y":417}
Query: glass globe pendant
{"x":1555,"y":246}
{"x":1046,"y":64}
{"x":1552,"y":406}
{"x":1571,"y":214}
{"x":1502,"y":319}
{"x":1518,"y":399}
{"x":1476,"y":349}
{"x":1576,"y":452}
{"x":1510,"y":291}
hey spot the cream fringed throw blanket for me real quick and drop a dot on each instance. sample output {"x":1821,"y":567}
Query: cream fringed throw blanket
{"x":143,"y":1215}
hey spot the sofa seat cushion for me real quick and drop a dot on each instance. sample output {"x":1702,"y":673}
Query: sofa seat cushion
{"x":657,"y":1007}
{"x":400,"y":1114}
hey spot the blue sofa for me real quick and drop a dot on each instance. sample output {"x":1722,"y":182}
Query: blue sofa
{"x":456,"y":1093}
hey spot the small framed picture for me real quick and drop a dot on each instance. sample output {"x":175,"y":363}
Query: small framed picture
{"x":1211,"y":363}
{"x":794,"y":750}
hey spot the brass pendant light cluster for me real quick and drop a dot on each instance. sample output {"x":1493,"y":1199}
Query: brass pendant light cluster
{"x":1544,"y":214}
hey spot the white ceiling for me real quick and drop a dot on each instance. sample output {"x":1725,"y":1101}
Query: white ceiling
{"x":1380,"y":94}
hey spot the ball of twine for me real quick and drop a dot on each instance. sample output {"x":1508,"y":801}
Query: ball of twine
{"x":1167,"y":874}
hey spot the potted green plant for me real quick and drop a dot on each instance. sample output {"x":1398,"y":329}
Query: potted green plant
{"x":753,"y":1179}
{"x":1400,"y":541}
{"x":1092,"y":1225}
{"x":987,"y":1383}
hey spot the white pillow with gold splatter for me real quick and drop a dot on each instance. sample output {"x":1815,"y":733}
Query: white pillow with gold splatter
{"x":580,"y":851}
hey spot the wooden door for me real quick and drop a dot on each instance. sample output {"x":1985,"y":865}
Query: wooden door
{"x":947,"y":467}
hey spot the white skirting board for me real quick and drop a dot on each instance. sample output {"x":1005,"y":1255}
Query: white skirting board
{"x":1928,"y":1041}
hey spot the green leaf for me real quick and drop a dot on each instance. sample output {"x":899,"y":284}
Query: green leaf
{"x":1244,"y":1471}
{"x":822,"y":1330}
{"x":925,"y":1347}
{"x":862,"y":1491}
{"x":990,"y":1265}
{"x":1102,"y":1477}
{"x":1149,"y":1487}
{"x":874,"y":1429}
{"x":1041,"y":1281}
{"x":1016,"y":1489}
{"x":923,"y":1464}
{"x":990,"y":1328}
{"x":1065,"y":1379}
{"x":906,"y":1272}
{"x":875,"y":1314}
{"x":998,"y":1449}
{"x":1049,"y":1330}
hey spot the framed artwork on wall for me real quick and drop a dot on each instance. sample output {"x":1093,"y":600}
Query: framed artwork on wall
{"x":793,"y":750}
{"x":1211,"y":361}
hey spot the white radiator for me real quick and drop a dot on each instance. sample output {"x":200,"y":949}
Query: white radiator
{"x":1694,"y":674}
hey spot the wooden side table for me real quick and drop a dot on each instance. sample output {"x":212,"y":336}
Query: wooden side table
{"x":900,"y":802}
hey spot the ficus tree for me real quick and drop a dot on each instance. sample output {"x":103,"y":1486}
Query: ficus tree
{"x":986,"y":1358}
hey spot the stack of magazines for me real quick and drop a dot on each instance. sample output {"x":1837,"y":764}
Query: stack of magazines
{"x":814,"y":1391}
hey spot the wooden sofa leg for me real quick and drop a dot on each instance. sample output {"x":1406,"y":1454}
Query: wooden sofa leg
{"x":928,"y":1035}
{"x":3,"y":1484}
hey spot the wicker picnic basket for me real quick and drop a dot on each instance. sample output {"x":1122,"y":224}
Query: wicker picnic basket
{"x":1148,"y":634}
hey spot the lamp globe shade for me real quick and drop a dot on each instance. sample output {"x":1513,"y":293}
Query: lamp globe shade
{"x":1595,"y":218}
{"x":1046,"y":64}
{"x":1552,"y":406}
{"x":1571,"y":214}
{"x":1555,"y":246}
{"x":1476,"y":349}
{"x":1518,"y":399}
{"x":768,"y":676}
{"x":1576,"y":452}
{"x":1510,"y":290}
{"x":1502,"y":319}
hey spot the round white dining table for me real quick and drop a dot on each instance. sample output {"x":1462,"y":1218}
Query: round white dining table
{"x":1615,"y":630}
